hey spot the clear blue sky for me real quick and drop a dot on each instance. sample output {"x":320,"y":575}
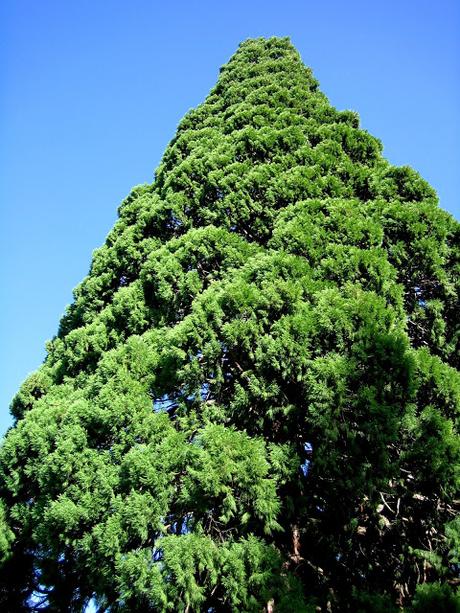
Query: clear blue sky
{"x":92,"y":91}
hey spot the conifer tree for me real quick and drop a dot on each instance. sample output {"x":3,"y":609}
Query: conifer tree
{"x":253,"y":401}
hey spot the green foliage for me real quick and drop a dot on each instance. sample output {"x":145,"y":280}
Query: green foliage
{"x":363,"y":602}
{"x":254,"y":399}
{"x":435,"y":597}
{"x":6,"y":536}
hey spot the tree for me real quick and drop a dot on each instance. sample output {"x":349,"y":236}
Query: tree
{"x":253,"y":401}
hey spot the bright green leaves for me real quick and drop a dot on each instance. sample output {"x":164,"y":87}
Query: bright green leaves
{"x":196,"y":572}
{"x":173,"y":276}
{"x":402,"y":183}
{"x":229,"y":474}
{"x":6,"y":536}
{"x":381,"y":244}
{"x":33,"y":388}
{"x":433,"y":456}
{"x":253,"y":400}
{"x":302,"y":227}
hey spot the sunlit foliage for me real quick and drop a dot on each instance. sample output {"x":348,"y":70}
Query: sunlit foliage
{"x":253,"y":402}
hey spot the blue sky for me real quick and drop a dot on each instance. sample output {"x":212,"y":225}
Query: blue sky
{"x":92,"y":91}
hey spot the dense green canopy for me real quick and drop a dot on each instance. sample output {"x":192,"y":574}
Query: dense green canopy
{"x":253,"y":402}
